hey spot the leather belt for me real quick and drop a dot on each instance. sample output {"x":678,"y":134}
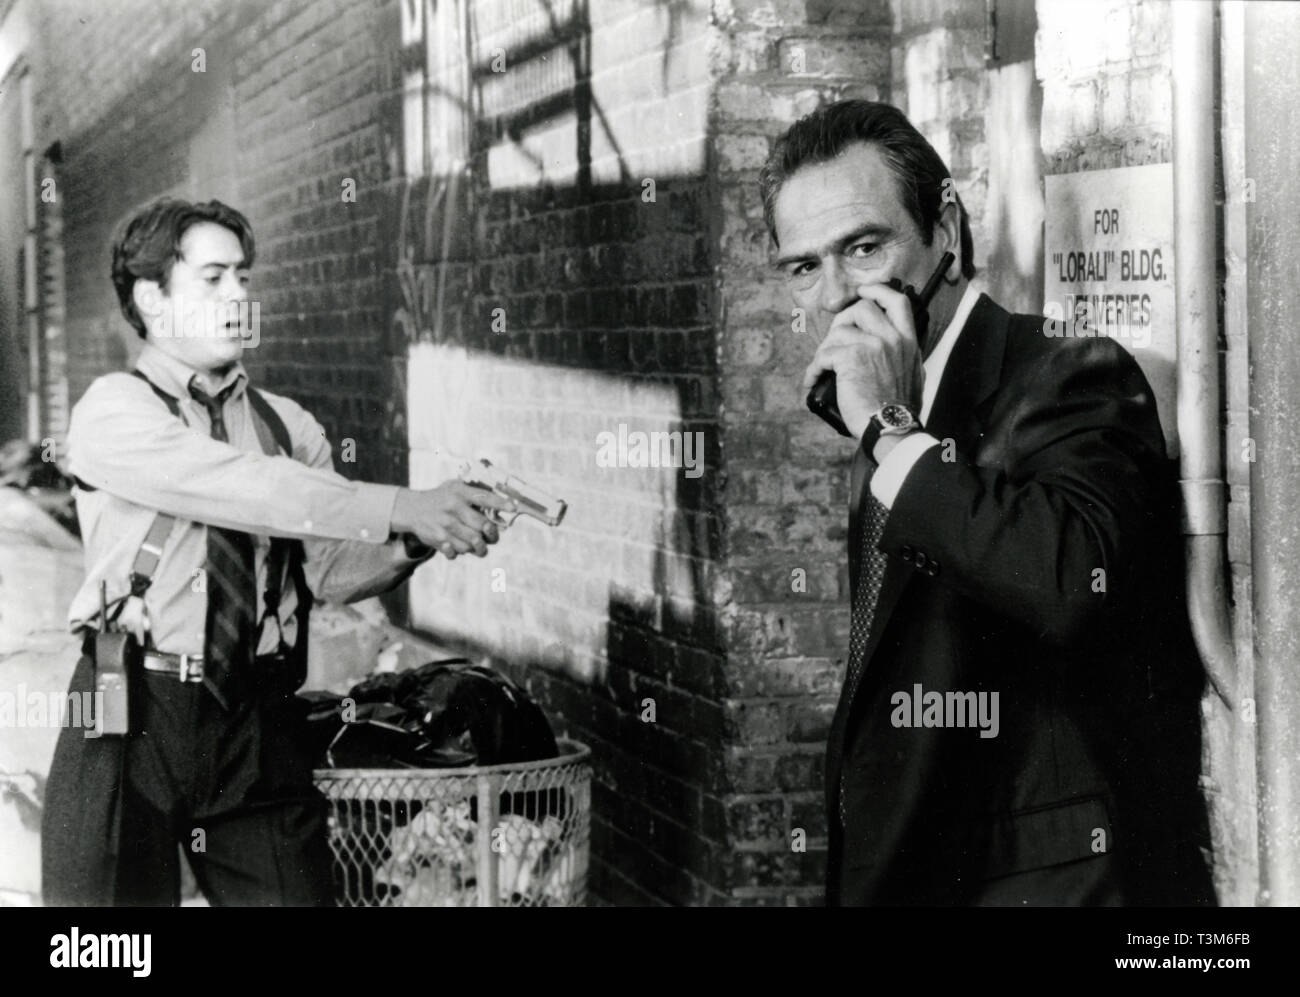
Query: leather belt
{"x":186,"y":667}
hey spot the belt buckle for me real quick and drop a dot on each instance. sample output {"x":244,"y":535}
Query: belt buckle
{"x":191,"y":667}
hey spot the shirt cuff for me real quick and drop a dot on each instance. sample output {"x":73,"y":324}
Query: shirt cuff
{"x":891,"y":473}
{"x":373,"y":507}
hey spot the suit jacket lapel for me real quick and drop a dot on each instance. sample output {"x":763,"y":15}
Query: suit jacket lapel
{"x":972,"y":373}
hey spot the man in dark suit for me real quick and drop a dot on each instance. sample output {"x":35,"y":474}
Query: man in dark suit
{"x":1019,"y":722}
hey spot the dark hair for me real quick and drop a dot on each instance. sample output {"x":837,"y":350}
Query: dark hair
{"x":822,"y":135}
{"x":148,"y":245}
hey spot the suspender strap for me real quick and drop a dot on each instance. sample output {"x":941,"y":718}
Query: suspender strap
{"x":269,"y":418}
{"x":147,"y":557}
{"x":273,"y":435}
{"x":173,"y":406}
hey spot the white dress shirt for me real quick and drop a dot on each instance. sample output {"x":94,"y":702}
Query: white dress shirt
{"x":139,"y":461}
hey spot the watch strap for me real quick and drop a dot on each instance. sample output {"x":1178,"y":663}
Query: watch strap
{"x":871,"y":436}
{"x":876,"y":428}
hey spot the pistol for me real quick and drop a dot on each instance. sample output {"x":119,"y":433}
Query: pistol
{"x":529,"y":499}
{"x":822,"y":400}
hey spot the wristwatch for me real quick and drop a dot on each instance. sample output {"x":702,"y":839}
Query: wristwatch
{"x":891,"y":419}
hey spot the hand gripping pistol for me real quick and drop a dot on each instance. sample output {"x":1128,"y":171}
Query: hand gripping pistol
{"x":530,"y":500}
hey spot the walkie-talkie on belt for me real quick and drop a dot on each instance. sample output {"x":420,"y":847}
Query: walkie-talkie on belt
{"x":116,"y":653}
{"x":821,"y":399}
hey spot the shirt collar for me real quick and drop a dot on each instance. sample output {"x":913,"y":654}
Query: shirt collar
{"x":174,"y":377}
{"x":938,"y":358}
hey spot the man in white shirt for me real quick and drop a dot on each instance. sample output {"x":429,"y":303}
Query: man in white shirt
{"x":214,"y":516}
{"x":1019,"y":722}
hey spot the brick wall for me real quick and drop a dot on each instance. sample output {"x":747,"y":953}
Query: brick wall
{"x":86,"y":92}
{"x":309,"y":82}
{"x":939,"y":79}
{"x":1106,"y":84}
{"x":973,"y":93}
{"x":785,"y":595}
{"x":283,"y":110}
{"x":568,"y":290}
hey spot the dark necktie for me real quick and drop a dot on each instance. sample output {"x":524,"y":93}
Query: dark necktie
{"x":871,"y":573}
{"x":231,"y":586}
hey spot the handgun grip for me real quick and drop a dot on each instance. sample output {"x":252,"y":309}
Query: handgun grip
{"x":550,"y":515}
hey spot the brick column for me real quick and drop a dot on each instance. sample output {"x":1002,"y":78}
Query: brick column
{"x":784,"y":597}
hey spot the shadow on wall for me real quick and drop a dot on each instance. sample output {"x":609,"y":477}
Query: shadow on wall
{"x":555,"y":304}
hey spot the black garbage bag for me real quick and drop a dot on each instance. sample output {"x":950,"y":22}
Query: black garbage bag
{"x":323,"y":719}
{"x":444,"y":714}
{"x":464,"y":708}
{"x":380,"y":735}
{"x":395,"y":687}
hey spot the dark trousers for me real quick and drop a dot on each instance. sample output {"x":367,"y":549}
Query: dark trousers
{"x":233,"y":791}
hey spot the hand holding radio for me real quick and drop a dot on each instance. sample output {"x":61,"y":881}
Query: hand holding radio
{"x":885,"y":365}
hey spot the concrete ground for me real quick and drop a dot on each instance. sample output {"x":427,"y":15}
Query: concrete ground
{"x":40,"y":570}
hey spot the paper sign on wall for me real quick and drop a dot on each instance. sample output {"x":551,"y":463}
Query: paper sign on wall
{"x":1109,"y":268}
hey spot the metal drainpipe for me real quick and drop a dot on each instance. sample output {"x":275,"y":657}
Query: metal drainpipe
{"x":1205,"y":517}
{"x":1272,"y":132}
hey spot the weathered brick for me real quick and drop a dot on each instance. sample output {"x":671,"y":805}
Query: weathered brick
{"x":757,"y":821}
{"x":832,"y":56}
{"x":809,"y":813}
{"x":756,"y":722}
{"x":810,"y":721}
{"x":741,"y":152}
{"x":1150,"y":100}
{"x":758,"y":676}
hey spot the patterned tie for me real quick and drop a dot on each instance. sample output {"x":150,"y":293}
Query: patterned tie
{"x":231,"y":586}
{"x":871,"y":573}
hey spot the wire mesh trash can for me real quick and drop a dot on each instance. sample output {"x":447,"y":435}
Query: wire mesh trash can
{"x":515,"y":835}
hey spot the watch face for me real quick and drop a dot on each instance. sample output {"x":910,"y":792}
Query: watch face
{"x":895,"y":416}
